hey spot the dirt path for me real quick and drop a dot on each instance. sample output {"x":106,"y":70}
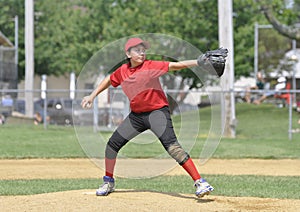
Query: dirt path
{"x":85,"y":168}
{"x":131,"y":200}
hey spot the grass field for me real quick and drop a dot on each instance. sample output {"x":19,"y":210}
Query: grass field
{"x":261,"y":133}
{"x":271,"y":187}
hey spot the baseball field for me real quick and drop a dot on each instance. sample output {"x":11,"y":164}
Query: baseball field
{"x":46,"y":170}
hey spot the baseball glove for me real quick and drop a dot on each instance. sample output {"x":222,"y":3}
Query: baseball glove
{"x":213,"y":61}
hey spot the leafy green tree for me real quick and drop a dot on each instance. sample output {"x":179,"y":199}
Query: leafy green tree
{"x":68,"y":33}
{"x":243,"y":23}
{"x":285,"y":19}
{"x":65,"y":36}
{"x":193,"y":21}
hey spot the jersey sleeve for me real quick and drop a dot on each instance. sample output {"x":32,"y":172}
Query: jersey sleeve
{"x":116,"y":78}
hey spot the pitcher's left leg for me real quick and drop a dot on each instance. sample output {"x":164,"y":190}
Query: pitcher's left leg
{"x":161,"y":125}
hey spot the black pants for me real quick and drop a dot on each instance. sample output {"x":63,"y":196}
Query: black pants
{"x":159,"y":122}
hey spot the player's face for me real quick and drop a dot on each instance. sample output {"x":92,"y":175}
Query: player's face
{"x":137,"y":55}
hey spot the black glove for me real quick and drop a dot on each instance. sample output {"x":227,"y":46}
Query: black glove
{"x":213,"y":61}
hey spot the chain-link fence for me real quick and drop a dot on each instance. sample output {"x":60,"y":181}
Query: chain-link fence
{"x":60,"y":109}
{"x":8,"y":71}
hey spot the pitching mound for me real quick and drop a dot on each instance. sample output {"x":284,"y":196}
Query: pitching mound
{"x":136,"y":200}
{"x":130,"y":200}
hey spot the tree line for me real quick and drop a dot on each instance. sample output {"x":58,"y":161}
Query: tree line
{"x":67,"y":33}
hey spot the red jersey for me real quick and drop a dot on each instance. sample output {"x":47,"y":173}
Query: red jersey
{"x":141,"y":84}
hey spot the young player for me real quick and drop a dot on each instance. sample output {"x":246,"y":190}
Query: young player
{"x":139,"y":79}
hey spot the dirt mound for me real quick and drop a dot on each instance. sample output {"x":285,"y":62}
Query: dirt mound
{"x":85,"y":168}
{"x":133,"y":200}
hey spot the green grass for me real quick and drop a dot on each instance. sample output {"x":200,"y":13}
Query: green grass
{"x":261,"y":133}
{"x":225,"y":185}
{"x":265,"y":122}
{"x":34,"y":142}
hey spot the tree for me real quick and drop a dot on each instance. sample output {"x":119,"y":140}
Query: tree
{"x":186,"y":20}
{"x":66,"y":36}
{"x":288,"y":19}
{"x":244,"y":17}
{"x":68,"y":33}
{"x":270,"y":54}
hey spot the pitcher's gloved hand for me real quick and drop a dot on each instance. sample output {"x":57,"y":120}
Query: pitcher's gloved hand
{"x":213,"y":61}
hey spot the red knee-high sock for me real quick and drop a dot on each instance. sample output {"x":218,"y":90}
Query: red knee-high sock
{"x":109,"y":167}
{"x":190,"y":168}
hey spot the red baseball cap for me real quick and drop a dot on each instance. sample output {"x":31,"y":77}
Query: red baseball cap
{"x":134,"y":42}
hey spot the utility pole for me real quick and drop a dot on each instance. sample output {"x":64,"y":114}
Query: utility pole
{"x":16,"y":42}
{"x":227,"y":81}
{"x":29,"y":57}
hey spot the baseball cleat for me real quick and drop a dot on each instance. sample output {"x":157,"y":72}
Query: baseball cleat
{"x":107,"y":187}
{"x":202,"y":188}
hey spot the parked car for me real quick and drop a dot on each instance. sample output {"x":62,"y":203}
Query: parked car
{"x":65,"y":111}
{"x":19,"y":106}
{"x":62,"y":111}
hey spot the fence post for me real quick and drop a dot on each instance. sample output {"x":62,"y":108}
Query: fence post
{"x":44,"y":97}
{"x":290,"y":116}
{"x":95,"y":114}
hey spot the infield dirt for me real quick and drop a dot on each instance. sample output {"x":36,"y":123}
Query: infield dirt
{"x":137,"y":200}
